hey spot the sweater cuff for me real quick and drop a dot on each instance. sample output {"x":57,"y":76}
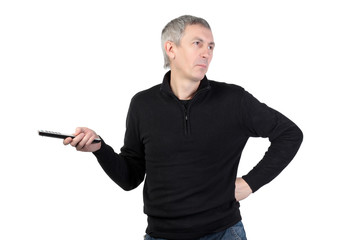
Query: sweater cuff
{"x":251,"y":182}
{"x":102,"y":150}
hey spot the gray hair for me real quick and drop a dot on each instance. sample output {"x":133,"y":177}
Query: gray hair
{"x":174,"y":30}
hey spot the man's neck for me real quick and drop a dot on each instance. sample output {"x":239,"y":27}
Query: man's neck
{"x":183,"y":88}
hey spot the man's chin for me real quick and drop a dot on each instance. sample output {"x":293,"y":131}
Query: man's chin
{"x":199,"y":76}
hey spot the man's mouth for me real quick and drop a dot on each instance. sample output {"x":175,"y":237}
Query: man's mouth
{"x":202,"y":65}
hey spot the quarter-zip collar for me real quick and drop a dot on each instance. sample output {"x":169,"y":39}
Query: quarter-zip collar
{"x":203,"y":87}
{"x":165,"y":86}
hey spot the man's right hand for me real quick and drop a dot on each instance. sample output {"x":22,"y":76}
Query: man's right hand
{"x":83,"y":140}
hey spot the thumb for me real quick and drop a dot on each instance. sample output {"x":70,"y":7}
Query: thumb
{"x":78,"y":131}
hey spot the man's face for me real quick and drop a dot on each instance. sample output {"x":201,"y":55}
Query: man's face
{"x":193,"y":55}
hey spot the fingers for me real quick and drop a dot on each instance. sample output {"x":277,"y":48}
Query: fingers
{"x":67,"y":141}
{"x":84,"y":142}
{"x":76,"y":140}
{"x":84,"y":138}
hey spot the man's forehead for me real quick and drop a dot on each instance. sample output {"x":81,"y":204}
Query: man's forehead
{"x":200,"y":32}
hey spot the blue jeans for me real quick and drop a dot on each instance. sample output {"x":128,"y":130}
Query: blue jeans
{"x":236,"y":232}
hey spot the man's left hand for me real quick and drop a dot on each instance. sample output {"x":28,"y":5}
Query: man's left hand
{"x":242,"y":189}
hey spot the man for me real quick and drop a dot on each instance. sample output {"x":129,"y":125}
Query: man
{"x":187,"y":135}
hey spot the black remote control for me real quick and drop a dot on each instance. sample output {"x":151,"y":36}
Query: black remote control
{"x":61,"y":135}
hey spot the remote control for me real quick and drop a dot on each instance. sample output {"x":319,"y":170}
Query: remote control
{"x":61,"y":135}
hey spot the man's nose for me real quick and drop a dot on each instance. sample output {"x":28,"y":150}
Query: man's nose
{"x":205,"y":52}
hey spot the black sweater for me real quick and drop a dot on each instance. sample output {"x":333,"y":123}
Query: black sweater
{"x":191,"y":155}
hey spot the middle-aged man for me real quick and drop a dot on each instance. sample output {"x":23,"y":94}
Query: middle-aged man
{"x":187,"y":135}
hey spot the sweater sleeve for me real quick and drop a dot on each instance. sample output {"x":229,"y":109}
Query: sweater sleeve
{"x":126,"y":169}
{"x":285,"y":138}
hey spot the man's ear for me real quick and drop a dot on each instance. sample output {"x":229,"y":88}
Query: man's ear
{"x":170,"y":49}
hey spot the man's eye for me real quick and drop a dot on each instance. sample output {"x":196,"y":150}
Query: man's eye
{"x":197,"y":43}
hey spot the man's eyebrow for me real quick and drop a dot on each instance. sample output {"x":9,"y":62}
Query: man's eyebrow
{"x":201,"y":40}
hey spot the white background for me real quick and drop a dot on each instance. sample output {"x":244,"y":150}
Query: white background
{"x":74,"y":63}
